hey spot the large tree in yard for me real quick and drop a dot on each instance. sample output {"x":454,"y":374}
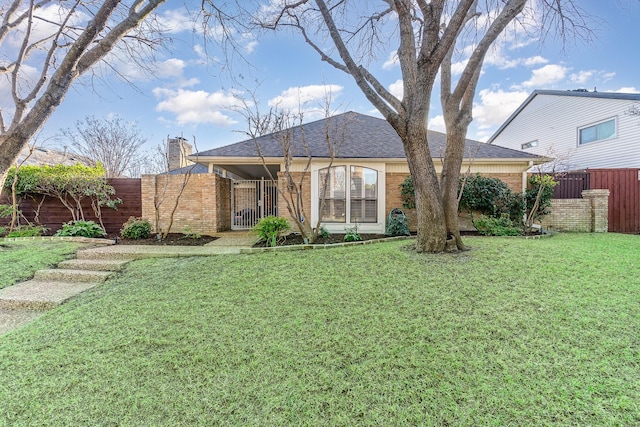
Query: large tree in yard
{"x":425,"y":35}
{"x":46,"y":45}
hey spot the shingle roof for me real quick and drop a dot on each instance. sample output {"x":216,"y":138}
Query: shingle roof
{"x":574,"y":93}
{"x":364,"y":137}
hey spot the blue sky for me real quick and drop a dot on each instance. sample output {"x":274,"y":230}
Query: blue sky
{"x":192,"y":97}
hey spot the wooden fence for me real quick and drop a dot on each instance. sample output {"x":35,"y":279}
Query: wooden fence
{"x":624,"y":194}
{"x":53,"y":213}
{"x":624,"y":197}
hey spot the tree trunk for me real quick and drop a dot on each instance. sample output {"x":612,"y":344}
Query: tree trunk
{"x":10,"y":146}
{"x":432,"y":230}
{"x":449,"y":184}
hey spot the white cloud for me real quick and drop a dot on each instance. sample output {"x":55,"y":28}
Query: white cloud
{"x":546,"y":75}
{"x":437,"y":123}
{"x":628,"y":89}
{"x":295,"y":98}
{"x":195,"y":107}
{"x":175,"y":21}
{"x":535,"y":60}
{"x":392,"y":61}
{"x":496,"y":106}
{"x":582,"y":76}
{"x":397,"y":88}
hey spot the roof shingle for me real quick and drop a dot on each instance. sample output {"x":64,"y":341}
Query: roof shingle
{"x":362,"y":136}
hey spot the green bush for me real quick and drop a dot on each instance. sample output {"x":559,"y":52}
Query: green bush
{"x":496,"y":226}
{"x":28,"y":231}
{"x":270,"y":227}
{"x":324,"y":233}
{"x":351,"y":234}
{"x":535,"y":182}
{"x":407,"y":193}
{"x":397,"y":224}
{"x":136,"y":228}
{"x":81,"y":228}
{"x":6,"y":211}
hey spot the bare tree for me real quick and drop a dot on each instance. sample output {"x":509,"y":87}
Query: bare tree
{"x":425,"y":32}
{"x":287,"y":129}
{"x":113,"y":142}
{"x":60,"y":47}
{"x":163,"y":183}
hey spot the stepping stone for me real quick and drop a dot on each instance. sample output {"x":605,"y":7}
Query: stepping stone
{"x":40,"y":295}
{"x":93,"y":264}
{"x":64,"y":275}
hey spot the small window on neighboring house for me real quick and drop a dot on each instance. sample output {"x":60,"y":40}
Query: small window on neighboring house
{"x":529,"y":144}
{"x":597,"y":132}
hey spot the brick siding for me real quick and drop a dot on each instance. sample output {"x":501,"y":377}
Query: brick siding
{"x":204,"y":205}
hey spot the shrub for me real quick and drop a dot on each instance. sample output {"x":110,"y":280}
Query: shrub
{"x":397,"y":224}
{"x":496,"y":226}
{"x":407,"y":193}
{"x":324,"y":233}
{"x":351,"y":234}
{"x":270,"y":227}
{"x":81,"y":228}
{"x":136,"y":228}
{"x":535,"y":182}
{"x":28,"y":231}
{"x":6,"y":211}
{"x":190,"y":234}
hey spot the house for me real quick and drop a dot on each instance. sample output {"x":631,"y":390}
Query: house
{"x":368,"y":166}
{"x":581,"y":129}
{"x":40,"y":156}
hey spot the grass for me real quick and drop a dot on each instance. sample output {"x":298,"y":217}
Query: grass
{"x":20,"y":260}
{"x":514,"y":332}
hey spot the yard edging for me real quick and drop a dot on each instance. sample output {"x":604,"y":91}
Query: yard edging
{"x":60,"y":238}
{"x":310,"y":246}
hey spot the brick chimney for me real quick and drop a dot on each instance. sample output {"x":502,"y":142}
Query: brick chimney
{"x":177,"y":151}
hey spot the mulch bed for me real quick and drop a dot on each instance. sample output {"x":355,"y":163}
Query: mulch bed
{"x":173,"y":239}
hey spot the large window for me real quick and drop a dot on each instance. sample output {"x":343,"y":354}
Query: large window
{"x":353,"y":203}
{"x":597,"y":132}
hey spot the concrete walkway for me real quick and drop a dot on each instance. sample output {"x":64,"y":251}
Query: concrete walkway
{"x":26,"y":301}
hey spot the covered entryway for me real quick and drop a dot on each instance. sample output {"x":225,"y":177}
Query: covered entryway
{"x":252,"y":200}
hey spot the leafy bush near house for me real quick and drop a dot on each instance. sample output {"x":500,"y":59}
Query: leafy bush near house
{"x":5,"y":211}
{"x":28,"y":231}
{"x":496,"y":226}
{"x":407,"y":193}
{"x":324,"y":233}
{"x":136,"y":228}
{"x":351,"y":234}
{"x":397,"y":224}
{"x":82,"y":229}
{"x":542,"y":186}
{"x":270,"y":227}
{"x":489,"y":196}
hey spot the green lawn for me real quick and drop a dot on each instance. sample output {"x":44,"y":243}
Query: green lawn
{"x":20,"y":260}
{"x":514,"y":332}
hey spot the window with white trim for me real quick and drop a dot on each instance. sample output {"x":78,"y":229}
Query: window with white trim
{"x":353,"y":203}
{"x":597,"y":132}
{"x":529,"y":144}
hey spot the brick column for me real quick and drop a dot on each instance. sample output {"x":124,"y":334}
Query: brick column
{"x":599,"y":201}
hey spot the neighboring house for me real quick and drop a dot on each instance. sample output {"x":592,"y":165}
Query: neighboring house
{"x":367,"y":170}
{"x":49,"y":157}
{"x":580,"y":129}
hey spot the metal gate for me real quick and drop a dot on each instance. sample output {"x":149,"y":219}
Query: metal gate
{"x":252,"y":200}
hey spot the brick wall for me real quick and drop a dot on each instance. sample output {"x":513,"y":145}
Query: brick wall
{"x":306,"y":195}
{"x":203,"y":206}
{"x":589,"y":214}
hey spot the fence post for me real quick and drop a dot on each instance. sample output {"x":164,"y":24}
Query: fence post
{"x":599,"y":202}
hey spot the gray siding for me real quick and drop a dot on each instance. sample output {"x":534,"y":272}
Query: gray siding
{"x":554,"y":122}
